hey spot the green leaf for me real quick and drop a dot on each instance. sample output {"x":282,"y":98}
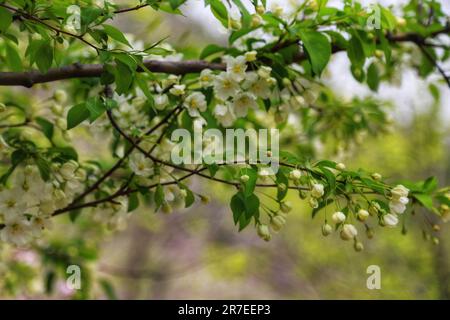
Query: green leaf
{"x":43,"y":56}
{"x":210,"y":50}
{"x":430,"y":185}
{"x":282,"y":179}
{"x":96,"y":108}
{"x":159,"y":196}
{"x":13,"y":58}
{"x":44,"y":168}
{"x":50,"y":279}
{"x":331,"y":178}
{"x":237,"y":206}
{"x":251,"y":206}
{"x":133,"y":202}
{"x":219,"y":11}
{"x":116,"y":34}
{"x":174,"y":4}
{"x":46,"y":126}
{"x":123,"y":76}
{"x":355,"y":52}
{"x":189,"y":199}
{"x":424,"y":199}
{"x":318,"y":48}
{"x":76,"y":115}
{"x":373,"y":77}
{"x":5,"y":19}
{"x":212,"y":168}
{"x":108,"y":289}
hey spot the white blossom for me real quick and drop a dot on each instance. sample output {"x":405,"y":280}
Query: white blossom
{"x":260,"y":88}
{"x":11,"y":203}
{"x":16,"y":230}
{"x":390,"y":220}
{"x":178,"y":90}
{"x":39,"y":224}
{"x":195,"y":103}
{"x":338,"y":217}
{"x":250,"y":56}
{"x":140,"y":164}
{"x":161,"y":101}
{"x":236,"y":68}
{"x":242,"y":102}
{"x":206,"y":78}
{"x":317,"y":190}
{"x":264,"y":72}
{"x":225,"y":86}
{"x":224,"y":114}
{"x":348,"y":232}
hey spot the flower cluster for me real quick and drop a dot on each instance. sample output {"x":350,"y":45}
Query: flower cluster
{"x":26,"y":207}
{"x":236,"y":90}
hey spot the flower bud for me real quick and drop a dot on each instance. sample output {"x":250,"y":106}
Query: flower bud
{"x":277,"y":222}
{"x":374,"y":208}
{"x":264,"y":232}
{"x":250,"y":56}
{"x":161,"y":101}
{"x":264,"y":72}
{"x":204,"y":199}
{"x":57,"y":109}
{"x":379,"y":53}
{"x":183,"y":193}
{"x":401,"y":22}
{"x":235,"y":24}
{"x":256,"y":20}
{"x":317,"y":190}
{"x":340,"y":166}
{"x":327,"y":229}
{"x":244,"y":178}
{"x":363,"y":214}
{"x":295,"y":174}
{"x":348,"y":232}
{"x":358,"y":246}
{"x":260,"y":9}
{"x":313,"y":5}
{"x":445,"y":213}
{"x":376,"y":176}
{"x":61,"y":123}
{"x":399,"y":191}
{"x":29,"y":169}
{"x":60,"y":96}
{"x":67,"y":170}
{"x":313,"y":203}
{"x":2,"y":107}
{"x":338,"y":217}
{"x":278,"y":11}
{"x":178,"y":90}
{"x":285,"y":207}
{"x":435,"y":240}
{"x":166,"y":208}
{"x":81,"y":174}
{"x":287,"y":82}
{"x":436,"y":227}
{"x":390,"y":220}
{"x":302,"y":194}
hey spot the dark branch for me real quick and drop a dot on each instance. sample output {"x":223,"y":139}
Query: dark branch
{"x":30,"y":78}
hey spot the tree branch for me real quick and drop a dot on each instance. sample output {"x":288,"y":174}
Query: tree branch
{"x":30,"y":78}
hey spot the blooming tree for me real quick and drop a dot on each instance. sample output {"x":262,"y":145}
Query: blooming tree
{"x":136,"y":95}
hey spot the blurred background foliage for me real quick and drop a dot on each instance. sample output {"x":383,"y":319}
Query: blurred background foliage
{"x":197,"y":253}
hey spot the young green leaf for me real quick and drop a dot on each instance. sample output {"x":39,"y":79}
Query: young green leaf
{"x":318,"y":48}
